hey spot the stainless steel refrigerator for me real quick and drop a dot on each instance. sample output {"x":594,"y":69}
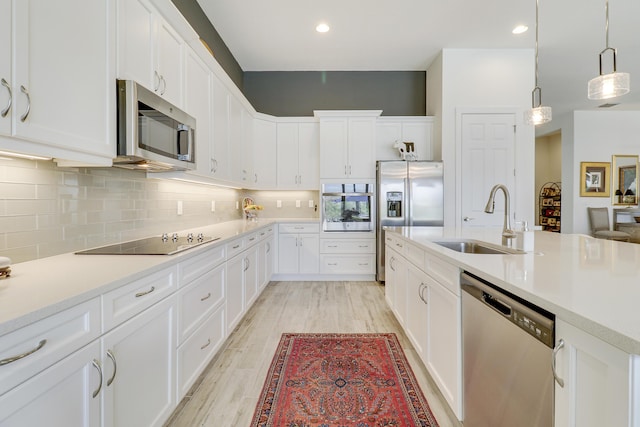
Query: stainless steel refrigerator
{"x":408,"y":194}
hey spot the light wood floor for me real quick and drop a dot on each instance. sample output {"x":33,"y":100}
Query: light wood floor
{"x":231,"y":385}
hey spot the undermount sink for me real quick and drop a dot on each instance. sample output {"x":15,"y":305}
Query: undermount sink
{"x":477,"y":247}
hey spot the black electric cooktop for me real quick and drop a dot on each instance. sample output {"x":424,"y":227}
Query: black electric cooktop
{"x":150,"y":246}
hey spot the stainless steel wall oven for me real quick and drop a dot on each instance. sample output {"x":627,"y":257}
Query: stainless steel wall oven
{"x":348,"y":207}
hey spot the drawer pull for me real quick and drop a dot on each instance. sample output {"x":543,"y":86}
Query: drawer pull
{"x":141,"y":294}
{"x":363,"y":263}
{"x":398,"y":245}
{"x":23,"y":355}
{"x":235,"y":247}
{"x":298,"y":228}
{"x":115,"y":367}
{"x":332,"y":246}
{"x":332,"y":263}
{"x":206,"y":297}
{"x":263,"y":233}
{"x":4,"y":112}
{"x":363,"y":246}
{"x":96,"y":365}
{"x":206,"y":345}
{"x":252,"y":239}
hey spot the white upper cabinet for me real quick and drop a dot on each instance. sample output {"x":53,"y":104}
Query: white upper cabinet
{"x":5,"y":67}
{"x":60,"y":100}
{"x":264,"y":154}
{"x":298,"y":155}
{"x":417,"y":130}
{"x":347,"y":144}
{"x":219,"y":149}
{"x":149,"y":50}
{"x":198,"y":104}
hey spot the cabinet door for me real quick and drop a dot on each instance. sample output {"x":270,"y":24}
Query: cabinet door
{"x":362,"y":151}
{"x":219,"y":149}
{"x":198,"y":104}
{"x":169,"y":62}
{"x":269,"y":260}
{"x":265,"y":262}
{"x":287,"y":253}
{"x":62,"y":395}
{"x":136,"y":32}
{"x":443,"y":350}
{"x":390,"y":261}
{"x":287,"y":148}
{"x":5,"y":67}
{"x":333,"y":148}
{"x":309,"y":253}
{"x":400,"y":278}
{"x":139,"y":382}
{"x":596,"y":381}
{"x":60,"y":100}
{"x":251,"y":276}
{"x":264,"y":154}
{"x":235,"y":141}
{"x":308,"y":156}
{"x":235,"y":292}
{"x":417,"y":297}
{"x":249,"y":177}
{"x":387,"y":133}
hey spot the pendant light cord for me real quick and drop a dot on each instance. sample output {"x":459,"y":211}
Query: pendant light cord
{"x":606,"y":25}
{"x":536,"y":85}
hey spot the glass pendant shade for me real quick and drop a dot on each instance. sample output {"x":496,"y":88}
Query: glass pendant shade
{"x":537,"y":115}
{"x":607,"y":86}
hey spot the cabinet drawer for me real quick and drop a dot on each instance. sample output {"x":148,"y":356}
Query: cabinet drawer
{"x":47,"y":341}
{"x":196,"y":266}
{"x":347,"y":264}
{"x":300,"y":228}
{"x":198,"y":299}
{"x":348,"y":246}
{"x":127,"y":301}
{"x":446,"y":274}
{"x":235,"y":247}
{"x":265,"y":232}
{"x":415,"y":254}
{"x":395,"y":242}
{"x":250,"y":239}
{"x":198,"y":349}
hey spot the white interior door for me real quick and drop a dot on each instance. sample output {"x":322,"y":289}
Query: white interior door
{"x":488,"y":158}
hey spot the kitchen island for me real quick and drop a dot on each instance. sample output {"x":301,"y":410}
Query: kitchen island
{"x":589,"y":285}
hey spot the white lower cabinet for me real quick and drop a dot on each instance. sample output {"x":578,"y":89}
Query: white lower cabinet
{"x":417,"y":323}
{"x":597,"y":388}
{"x":348,"y":256}
{"x":265,"y":257}
{"x":65,"y":394}
{"x":299,"y":249}
{"x":242,"y":278}
{"x":139,"y":368}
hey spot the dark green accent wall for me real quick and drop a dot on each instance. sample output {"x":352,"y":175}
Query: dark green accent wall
{"x":298,"y":93}
{"x":194,"y":14}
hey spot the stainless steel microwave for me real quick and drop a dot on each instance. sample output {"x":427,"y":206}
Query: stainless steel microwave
{"x":347,"y":207}
{"x":153,"y":134}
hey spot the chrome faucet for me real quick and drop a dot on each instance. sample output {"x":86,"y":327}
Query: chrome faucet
{"x":507,"y":231}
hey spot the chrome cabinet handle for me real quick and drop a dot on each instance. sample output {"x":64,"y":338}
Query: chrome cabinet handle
{"x":141,"y":294}
{"x":23,"y":355}
{"x":268,"y":247}
{"x":214,"y":166}
{"x":206,"y":297}
{"x":246,"y":264}
{"x":391,"y":263}
{"x":421,"y":289}
{"x":115,"y":367}
{"x":156,"y":77}
{"x":556,"y":349}
{"x":332,"y":246}
{"x":96,"y":364}
{"x":28,"y":110}
{"x":4,"y":112}
{"x":255,"y":179}
{"x":235,"y":247}
{"x":206,"y":345}
{"x":164,"y":85}
{"x":467,"y":219}
{"x":332,"y":263}
{"x":345,"y":169}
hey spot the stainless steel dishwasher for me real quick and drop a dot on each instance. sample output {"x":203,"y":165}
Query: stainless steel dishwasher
{"x":507,"y":353}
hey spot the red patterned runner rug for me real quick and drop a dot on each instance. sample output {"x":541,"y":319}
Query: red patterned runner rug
{"x":330,"y":380}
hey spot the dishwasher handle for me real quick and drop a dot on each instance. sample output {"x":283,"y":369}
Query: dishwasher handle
{"x":498,"y":305}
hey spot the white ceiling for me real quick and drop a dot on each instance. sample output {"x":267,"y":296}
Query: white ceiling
{"x":406,"y":35}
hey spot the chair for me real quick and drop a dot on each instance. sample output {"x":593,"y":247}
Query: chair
{"x":599,"y":219}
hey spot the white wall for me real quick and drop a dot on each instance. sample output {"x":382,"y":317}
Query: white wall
{"x":597,"y":136}
{"x":484,"y":80}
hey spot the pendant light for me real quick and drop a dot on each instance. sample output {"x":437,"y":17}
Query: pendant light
{"x":610,"y":85}
{"x":538,"y":114}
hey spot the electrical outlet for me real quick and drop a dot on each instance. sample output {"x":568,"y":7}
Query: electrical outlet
{"x":279,"y":204}
{"x":179,"y":207}
{"x":297,"y":203}
{"x":213,"y":206}
{"x":311,"y":203}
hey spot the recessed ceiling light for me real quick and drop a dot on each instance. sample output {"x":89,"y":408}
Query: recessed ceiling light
{"x":520,"y":29}
{"x":322,"y":28}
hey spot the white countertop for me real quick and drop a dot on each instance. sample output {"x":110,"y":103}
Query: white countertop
{"x":593,"y":284}
{"x":39,"y":288}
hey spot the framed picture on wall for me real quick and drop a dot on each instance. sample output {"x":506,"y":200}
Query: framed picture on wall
{"x":594,"y":179}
